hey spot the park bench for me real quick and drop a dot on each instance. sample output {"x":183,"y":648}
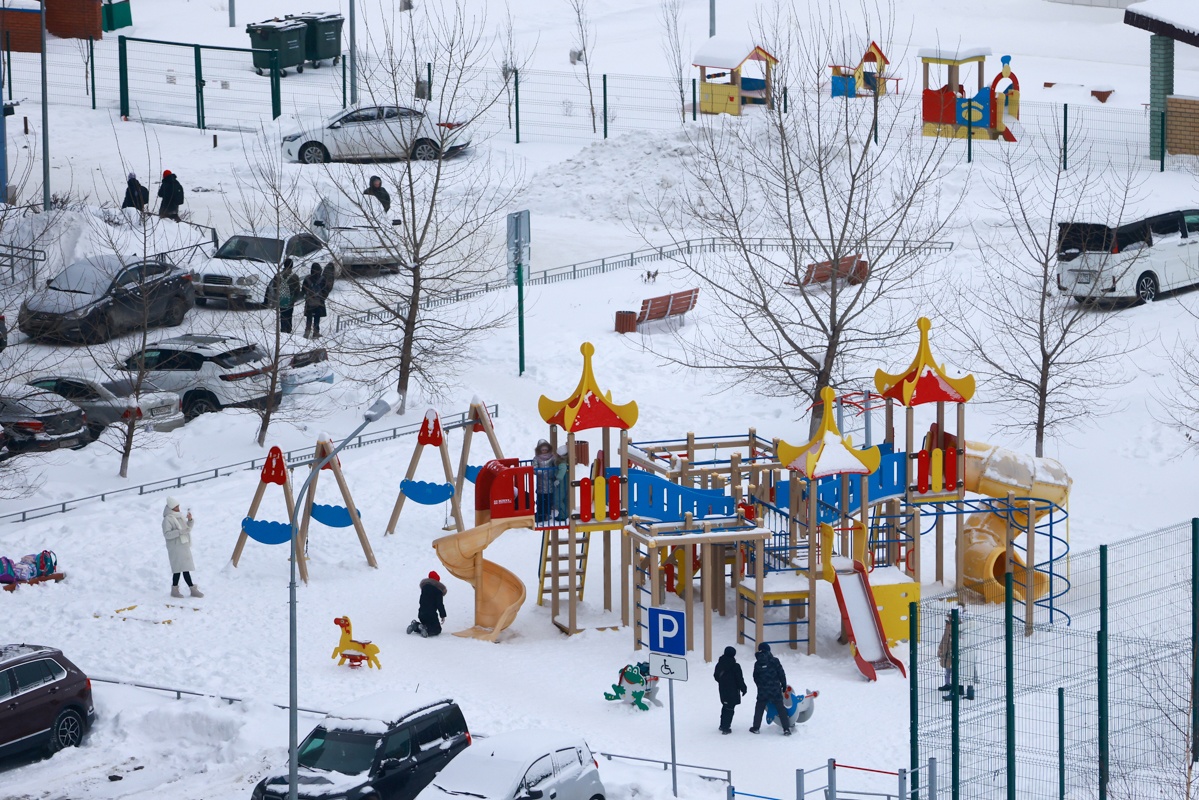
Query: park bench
{"x":853,"y":269}
{"x":657,"y":308}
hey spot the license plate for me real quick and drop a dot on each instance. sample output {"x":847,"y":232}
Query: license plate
{"x":161,"y":411}
{"x":1084,"y":277}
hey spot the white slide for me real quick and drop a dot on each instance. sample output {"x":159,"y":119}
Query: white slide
{"x":859,"y":616}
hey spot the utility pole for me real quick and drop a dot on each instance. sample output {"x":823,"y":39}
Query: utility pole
{"x":45,"y":122}
{"x":232,"y":13}
{"x":353,"y":55}
{"x":3,"y":141}
{"x":711,"y":18}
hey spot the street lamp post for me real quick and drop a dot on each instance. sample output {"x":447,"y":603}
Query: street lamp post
{"x":45,"y":122}
{"x":353,"y":55}
{"x":377,"y":411}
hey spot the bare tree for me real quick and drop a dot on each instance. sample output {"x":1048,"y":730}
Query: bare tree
{"x":584,"y":38}
{"x":673,"y":44}
{"x":1050,"y":359}
{"x":795,"y":202}
{"x":512,"y":60}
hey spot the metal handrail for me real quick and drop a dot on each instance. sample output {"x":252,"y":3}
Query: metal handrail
{"x":180,"y":692}
{"x":295,"y":458}
{"x":728,"y":773}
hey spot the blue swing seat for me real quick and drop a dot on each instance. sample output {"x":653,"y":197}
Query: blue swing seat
{"x":265,"y":531}
{"x":472,"y":473}
{"x":333,"y":516}
{"x":426,"y":493}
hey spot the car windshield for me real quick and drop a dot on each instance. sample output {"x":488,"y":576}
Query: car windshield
{"x":254,"y":248}
{"x":347,"y":752}
{"x":90,"y":276}
{"x":242,"y":355}
{"x":124,"y":387}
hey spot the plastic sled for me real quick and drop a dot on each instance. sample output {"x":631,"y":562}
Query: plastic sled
{"x":426,"y":493}
{"x":799,"y":707}
{"x":265,"y":531}
{"x":472,"y":473}
{"x":333,"y":516}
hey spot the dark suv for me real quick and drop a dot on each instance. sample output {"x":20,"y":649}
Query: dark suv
{"x":382,"y":748}
{"x":45,"y":700}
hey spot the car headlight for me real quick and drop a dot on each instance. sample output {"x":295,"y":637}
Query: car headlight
{"x":291,"y":137}
{"x":78,"y":313}
{"x":249,"y":280}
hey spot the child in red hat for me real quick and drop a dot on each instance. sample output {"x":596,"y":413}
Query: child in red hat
{"x":431,"y":612}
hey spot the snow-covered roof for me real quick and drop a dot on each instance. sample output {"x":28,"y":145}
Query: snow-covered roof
{"x":1180,"y":15}
{"x":727,"y":52}
{"x":953,"y":53}
{"x":386,"y":706}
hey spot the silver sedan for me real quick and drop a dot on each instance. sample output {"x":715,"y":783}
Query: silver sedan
{"x":106,"y":401}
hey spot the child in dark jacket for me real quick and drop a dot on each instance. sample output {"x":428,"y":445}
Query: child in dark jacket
{"x":732,"y":687}
{"x":431,"y":612}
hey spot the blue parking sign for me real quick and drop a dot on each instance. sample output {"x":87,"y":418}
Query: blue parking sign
{"x":667,"y":632}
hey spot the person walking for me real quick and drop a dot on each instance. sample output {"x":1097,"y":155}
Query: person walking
{"x":285,"y":288}
{"x":170,"y":195}
{"x":177,"y":530}
{"x":732,"y":687}
{"x":136,"y":195}
{"x":314,"y":302}
{"x":376,"y":190}
{"x":770,"y":680}
{"x":431,"y":611}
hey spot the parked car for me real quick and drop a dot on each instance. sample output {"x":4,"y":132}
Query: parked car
{"x":521,"y":764}
{"x":368,"y":132}
{"x":106,"y":401}
{"x":357,"y":243}
{"x":45,"y":700}
{"x":1136,"y":261}
{"x":208,"y":372}
{"x":34,"y":419}
{"x":98,"y":297}
{"x":383,"y":747}
{"x":241,"y":269}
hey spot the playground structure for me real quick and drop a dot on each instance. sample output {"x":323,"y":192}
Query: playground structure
{"x":725,"y":90}
{"x":867,"y":79}
{"x":274,"y":471}
{"x":343,"y":516}
{"x":949,"y":112}
{"x":353,"y":651}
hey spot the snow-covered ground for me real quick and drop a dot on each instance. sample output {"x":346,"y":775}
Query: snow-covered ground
{"x":1131,"y":471}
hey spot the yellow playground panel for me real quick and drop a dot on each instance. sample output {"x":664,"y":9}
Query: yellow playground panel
{"x":722,"y":88}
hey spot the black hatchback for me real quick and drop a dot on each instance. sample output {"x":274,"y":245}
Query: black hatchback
{"x":34,"y":419}
{"x":384,"y":747}
{"x":96,"y":298}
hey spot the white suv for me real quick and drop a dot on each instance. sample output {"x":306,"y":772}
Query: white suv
{"x":241,"y":269}
{"x":208,"y":372}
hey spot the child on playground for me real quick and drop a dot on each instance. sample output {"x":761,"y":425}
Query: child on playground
{"x":732,"y":687}
{"x":431,"y":611}
{"x":544,"y":471}
{"x":561,"y":484}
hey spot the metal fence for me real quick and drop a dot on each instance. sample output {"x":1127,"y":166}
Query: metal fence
{"x":1100,"y":707}
{"x":79,"y":72}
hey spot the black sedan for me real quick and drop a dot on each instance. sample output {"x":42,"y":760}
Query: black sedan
{"x":96,"y":298}
{"x":38,"y":420}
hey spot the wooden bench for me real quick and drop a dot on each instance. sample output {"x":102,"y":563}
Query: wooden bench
{"x":12,"y":587}
{"x":853,"y":269}
{"x":667,"y":306}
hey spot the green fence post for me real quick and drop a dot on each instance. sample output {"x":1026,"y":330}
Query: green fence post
{"x":955,"y":735}
{"x":914,"y":696}
{"x":199,"y":89}
{"x":969,"y":140}
{"x":694,"y":102}
{"x":1065,"y":135}
{"x":1101,"y":657}
{"x":1194,"y":637}
{"x":516,"y":100}
{"x":122,"y":75}
{"x":605,"y":90}
{"x":1162,"y":143}
{"x":276,"y":88}
{"x":785,"y":104}
{"x":1061,"y":744}
{"x":1009,"y":668}
{"x":429,"y":80}
{"x":91,"y":62}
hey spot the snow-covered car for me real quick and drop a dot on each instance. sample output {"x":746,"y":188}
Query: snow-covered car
{"x":34,"y":419}
{"x":241,"y":269}
{"x":208,"y":372}
{"x":357,"y":242}
{"x":382,"y":747}
{"x":521,"y":764}
{"x":1135,"y":261}
{"x":106,"y":401}
{"x":369,"y":132}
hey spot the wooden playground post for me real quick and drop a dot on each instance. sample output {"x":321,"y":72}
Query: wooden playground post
{"x":843,"y":487}
{"x":738,"y":601}
{"x":571,"y":570}
{"x":302,"y":544}
{"x":460,"y":477}
{"x":290,"y":503}
{"x":655,"y":573}
{"x":960,"y":550}
{"x":917,"y":569}
{"x":1030,"y":572}
{"x":688,"y":574}
{"x":241,"y":537}
{"x":349,"y":501}
{"x":626,"y":556}
{"x":455,"y":505}
{"x":759,"y":590}
{"x":864,"y":496}
{"x":735,"y":475}
{"x":401,"y":497}
{"x":815,"y":562}
{"x":607,"y":440}
{"x":706,"y":596}
{"x":939,"y":442}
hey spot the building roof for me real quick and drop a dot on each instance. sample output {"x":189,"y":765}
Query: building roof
{"x":925,"y":381}
{"x":828,"y":452}
{"x":588,"y":406}
{"x":1177,"y":19}
{"x":953,"y":55}
{"x":729,"y":52}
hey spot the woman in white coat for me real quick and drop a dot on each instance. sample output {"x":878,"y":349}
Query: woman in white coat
{"x":177,"y":529}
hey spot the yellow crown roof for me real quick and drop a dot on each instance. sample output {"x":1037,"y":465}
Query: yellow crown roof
{"x":588,"y":406}
{"x":925,"y":381}
{"x":828,"y":452}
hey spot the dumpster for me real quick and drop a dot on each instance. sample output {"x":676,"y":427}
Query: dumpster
{"x":323,"y":38}
{"x":286,"y":36}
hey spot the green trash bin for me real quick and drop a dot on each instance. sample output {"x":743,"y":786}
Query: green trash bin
{"x":323,"y":38}
{"x":286,"y":36}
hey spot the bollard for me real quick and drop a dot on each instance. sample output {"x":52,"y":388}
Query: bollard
{"x":214,"y":141}
{"x":26,"y":119}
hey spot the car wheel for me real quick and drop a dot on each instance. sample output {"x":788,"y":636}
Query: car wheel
{"x":425,"y":150}
{"x":196,"y":404}
{"x":201,"y":301}
{"x":1147,"y":287}
{"x":176,"y":311}
{"x":67,"y":730}
{"x":100,"y":331}
{"x":314,"y":153}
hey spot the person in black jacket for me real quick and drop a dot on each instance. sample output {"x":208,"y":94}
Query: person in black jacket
{"x":136,"y":195}
{"x":170,"y":195}
{"x":314,"y":302}
{"x":732,"y":687}
{"x":770,"y":679}
{"x":376,"y":190}
{"x":431,"y":612}
{"x":285,"y":288}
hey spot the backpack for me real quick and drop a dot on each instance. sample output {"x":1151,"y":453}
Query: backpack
{"x":8,"y":572}
{"x":47,"y":563}
{"x":26,"y":568}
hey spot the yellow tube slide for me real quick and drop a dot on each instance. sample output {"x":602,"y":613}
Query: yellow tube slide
{"x":499,"y":594}
{"x":994,"y":472}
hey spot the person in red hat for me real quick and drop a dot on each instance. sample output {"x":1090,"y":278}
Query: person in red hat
{"x":431,"y":612}
{"x":170,"y":195}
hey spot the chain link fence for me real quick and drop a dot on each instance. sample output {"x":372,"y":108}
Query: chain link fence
{"x":79,"y":72}
{"x":1109,"y":694}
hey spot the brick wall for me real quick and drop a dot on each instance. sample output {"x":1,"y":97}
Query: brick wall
{"x":1182,"y":125}
{"x":21,"y":30}
{"x":73,"y":19}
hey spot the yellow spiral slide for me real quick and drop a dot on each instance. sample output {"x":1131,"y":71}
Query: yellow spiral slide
{"x":499,"y":594}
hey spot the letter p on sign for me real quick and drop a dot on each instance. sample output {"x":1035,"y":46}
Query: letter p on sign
{"x":667,"y":632}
